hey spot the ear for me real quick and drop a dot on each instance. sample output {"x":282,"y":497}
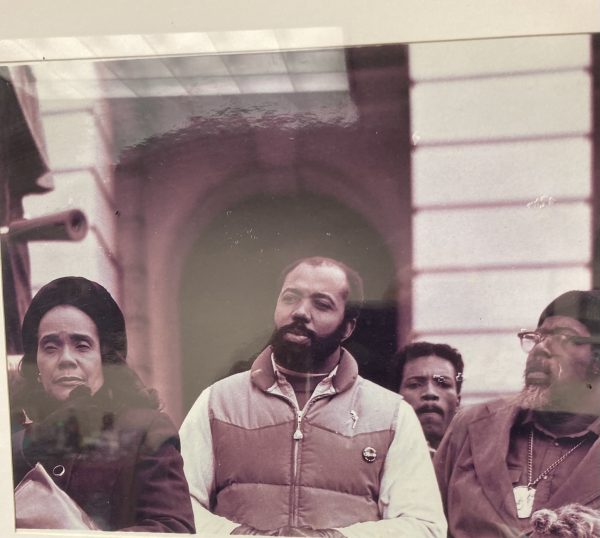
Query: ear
{"x":348,"y":329}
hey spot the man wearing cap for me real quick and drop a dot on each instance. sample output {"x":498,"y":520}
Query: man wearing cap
{"x":301,"y":445}
{"x":500,"y":462}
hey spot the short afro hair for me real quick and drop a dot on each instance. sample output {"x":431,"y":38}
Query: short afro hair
{"x":424,"y":349}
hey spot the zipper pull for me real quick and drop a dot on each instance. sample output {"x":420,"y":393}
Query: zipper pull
{"x":298,"y":433}
{"x":354,"y":417}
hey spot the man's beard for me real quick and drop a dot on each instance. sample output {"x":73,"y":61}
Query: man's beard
{"x":535,"y":397}
{"x":308,"y":356}
{"x":538,"y":393}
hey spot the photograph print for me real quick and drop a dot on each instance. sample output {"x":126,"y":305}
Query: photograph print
{"x":183,"y":235}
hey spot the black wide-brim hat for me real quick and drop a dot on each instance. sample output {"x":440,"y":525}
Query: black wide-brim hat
{"x":89,"y":297}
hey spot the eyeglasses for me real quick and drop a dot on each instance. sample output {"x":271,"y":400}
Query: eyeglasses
{"x":529,"y":339}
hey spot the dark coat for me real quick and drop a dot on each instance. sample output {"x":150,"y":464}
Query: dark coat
{"x":474,"y":478}
{"x":122,"y":466}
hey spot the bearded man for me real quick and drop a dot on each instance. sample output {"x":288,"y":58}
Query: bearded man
{"x":301,"y":445}
{"x":501,"y":462}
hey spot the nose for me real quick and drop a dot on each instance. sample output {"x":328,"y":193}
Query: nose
{"x":430,"y":392}
{"x":67,"y":358}
{"x":542,"y":347}
{"x":301,"y":311}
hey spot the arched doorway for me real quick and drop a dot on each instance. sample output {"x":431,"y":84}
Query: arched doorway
{"x":230,"y":283}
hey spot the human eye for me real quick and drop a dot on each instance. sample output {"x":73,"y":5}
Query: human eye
{"x":83,"y":345}
{"x":530,"y":336}
{"x":413,"y":384}
{"x":323,"y":304}
{"x":49,"y":347}
{"x":289,"y":298}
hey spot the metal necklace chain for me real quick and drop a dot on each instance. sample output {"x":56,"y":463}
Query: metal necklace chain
{"x":532,"y":482}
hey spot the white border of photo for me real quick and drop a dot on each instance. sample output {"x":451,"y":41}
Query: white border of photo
{"x":35,"y":30}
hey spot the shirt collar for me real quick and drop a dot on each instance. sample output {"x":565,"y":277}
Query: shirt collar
{"x":279,"y":370}
{"x":342,"y":377}
{"x":283,"y":386}
{"x":527,"y":417}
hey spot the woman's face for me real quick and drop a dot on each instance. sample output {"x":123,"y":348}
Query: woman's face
{"x":68,"y":352}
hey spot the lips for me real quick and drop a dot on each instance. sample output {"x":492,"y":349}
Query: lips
{"x":538,"y":377}
{"x":297,"y":333}
{"x":297,"y":330}
{"x":69,"y":381}
{"x":538,"y":374}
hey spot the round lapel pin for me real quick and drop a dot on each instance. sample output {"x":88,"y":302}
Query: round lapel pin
{"x":369,"y":454}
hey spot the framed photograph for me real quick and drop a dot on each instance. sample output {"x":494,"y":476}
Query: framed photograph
{"x":455,"y":167}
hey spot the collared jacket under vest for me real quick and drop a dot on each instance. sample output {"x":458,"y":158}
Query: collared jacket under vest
{"x":252,"y":457}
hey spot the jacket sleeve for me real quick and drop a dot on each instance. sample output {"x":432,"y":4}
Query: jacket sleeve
{"x":199,"y":463}
{"x":160,"y":488}
{"x":445,"y":460}
{"x":409,"y":499}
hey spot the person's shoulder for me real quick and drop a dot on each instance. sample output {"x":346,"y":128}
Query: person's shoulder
{"x":219,"y":395}
{"x":143,"y":418}
{"x":376,"y":400}
{"x":470,"y":414}
{"x":230,"y":383}
{"x":260,"y":373}
{"x":146,"y":426}
{"x":378,"y":391}
{"x":227,"y":392}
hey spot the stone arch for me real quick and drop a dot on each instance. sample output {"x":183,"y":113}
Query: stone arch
{"x":171,"y":187}
{"x":229,"y":281}
{"x":169,"y":201}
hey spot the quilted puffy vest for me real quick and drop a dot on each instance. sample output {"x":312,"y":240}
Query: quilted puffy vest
{"x":272,"y":472}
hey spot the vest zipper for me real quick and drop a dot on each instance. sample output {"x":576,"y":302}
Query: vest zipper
{"x":298,"y":433}
{"x":297,"y":437}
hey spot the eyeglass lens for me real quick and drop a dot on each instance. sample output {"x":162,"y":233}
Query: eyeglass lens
{"x":530,"y":338}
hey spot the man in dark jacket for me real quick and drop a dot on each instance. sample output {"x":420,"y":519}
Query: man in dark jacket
{"x":84,"y":423}
{"x":301,"y":445}
{"x":500,"y":462}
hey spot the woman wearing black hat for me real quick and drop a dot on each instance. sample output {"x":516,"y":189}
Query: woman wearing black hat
{"x":86,"y":417}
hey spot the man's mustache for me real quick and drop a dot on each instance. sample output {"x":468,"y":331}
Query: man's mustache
{"x":430,"y":408}
{"x":299,"y":328}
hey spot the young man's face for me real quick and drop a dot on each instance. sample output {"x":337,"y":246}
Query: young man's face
{"x":429,"y":386}
{"x":309,"y":316}
{"x":558,"y":370}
